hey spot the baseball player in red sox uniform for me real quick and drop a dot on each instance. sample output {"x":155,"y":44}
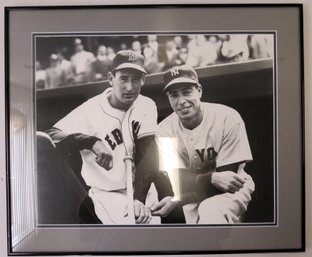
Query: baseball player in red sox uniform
{"x":117,"y":123}
{"x":203,"y":147}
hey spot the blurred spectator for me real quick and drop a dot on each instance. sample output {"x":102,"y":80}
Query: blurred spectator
{"x":150,"y":52}
{"x":102,"y":65}
{"x":235,"y":48}
{"x":179,"y":42}
{"x":55,"y":75}
{"x":153,"y":44}
{"x":40,"y":76}
{"x":201,"y":51}
{"x":66,"y":66}
{"x":171,"y":55}
{"x":110,"y":53}
{"x":207,"y":53}
{"x":261,"y":46}
{"x":182,"y":50}
{"x":136,"y":47}
{"x":182,"y":56}
{"x":215,"y":41}
{"x":161,"y":53}
{"x":123,"y":46}
{"x":192,"y":58}
{"x":82,"y":61}
{"x":151,"y":63}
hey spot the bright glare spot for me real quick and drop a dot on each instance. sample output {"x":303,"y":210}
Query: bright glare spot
{"x":169,"y":162}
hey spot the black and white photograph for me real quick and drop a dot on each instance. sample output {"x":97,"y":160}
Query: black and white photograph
{"x":181,"y":125}
{"x":153,"y":129}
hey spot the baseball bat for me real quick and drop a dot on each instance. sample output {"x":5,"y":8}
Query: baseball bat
{"x":130,"y":201}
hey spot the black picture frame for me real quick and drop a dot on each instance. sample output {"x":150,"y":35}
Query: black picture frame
{"x":286,"y":218}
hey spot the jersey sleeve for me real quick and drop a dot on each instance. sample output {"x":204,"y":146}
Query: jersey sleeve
{"x":235,"y":146}
{"x":169,"y":158}
{"x":168,"y":149}
{"x":69,"y":143}
{"x":146,"y":122}
{"x":76,"y":121}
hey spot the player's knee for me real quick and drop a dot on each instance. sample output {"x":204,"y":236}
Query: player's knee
{"x":209,"y":203}
{"x":210,"y":214}
{"x":210,"y":208}
{"x":221,"y":209}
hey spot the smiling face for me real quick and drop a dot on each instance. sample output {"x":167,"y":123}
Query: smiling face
{"x":126,"y":85}
{"x":185,"y":102}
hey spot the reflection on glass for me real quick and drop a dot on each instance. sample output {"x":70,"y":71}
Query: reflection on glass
{"x":169,"y":162}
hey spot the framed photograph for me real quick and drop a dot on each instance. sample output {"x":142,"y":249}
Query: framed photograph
{"x":169,"y":128}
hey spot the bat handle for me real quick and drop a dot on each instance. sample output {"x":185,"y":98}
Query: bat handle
{"x":130,"y":201}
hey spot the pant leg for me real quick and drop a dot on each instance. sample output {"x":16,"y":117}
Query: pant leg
{"x":191,"y":213}
{"x":110,"y":206}
{"x":227,"y":208}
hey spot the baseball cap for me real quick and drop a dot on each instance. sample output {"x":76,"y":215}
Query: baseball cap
{"x":128,"y":59}
{"x":178,"y":75}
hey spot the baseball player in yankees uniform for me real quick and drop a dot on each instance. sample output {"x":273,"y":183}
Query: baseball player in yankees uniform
{"x":207,"y":147}
{"x":117,"y":123}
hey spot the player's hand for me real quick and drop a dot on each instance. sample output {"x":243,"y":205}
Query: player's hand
{"x":164,"y":207}
{"x":227,"y":181}
{"x":103,"y":157}
{"x":142,"y":213}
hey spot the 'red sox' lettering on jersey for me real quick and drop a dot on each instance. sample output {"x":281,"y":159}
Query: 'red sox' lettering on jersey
{"x":98,"y":113}
{"x":115,"y":137}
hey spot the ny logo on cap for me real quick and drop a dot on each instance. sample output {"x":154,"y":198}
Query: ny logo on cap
{"x":174,"y":72}
{"x":132,"y":57}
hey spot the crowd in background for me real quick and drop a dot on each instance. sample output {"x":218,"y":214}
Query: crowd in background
{"x":85,"y":66}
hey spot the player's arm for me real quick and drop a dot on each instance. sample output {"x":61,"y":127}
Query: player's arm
{"x":196,"y":187}
{"x":144,"y":167}
{"x":234,"y":149}
{"x":226,"y":178}
{"x":147,"y":170}
{"x":233,"y":152}
{"x":70,"y":143}
{"x":142,"y":179}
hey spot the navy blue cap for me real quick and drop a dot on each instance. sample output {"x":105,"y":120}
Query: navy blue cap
{"x":128,"y":59}
{"x":178,"y":75}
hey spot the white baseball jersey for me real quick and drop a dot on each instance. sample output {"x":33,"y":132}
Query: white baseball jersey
{"x":96,"y":117}
{"x":220,"y":139}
